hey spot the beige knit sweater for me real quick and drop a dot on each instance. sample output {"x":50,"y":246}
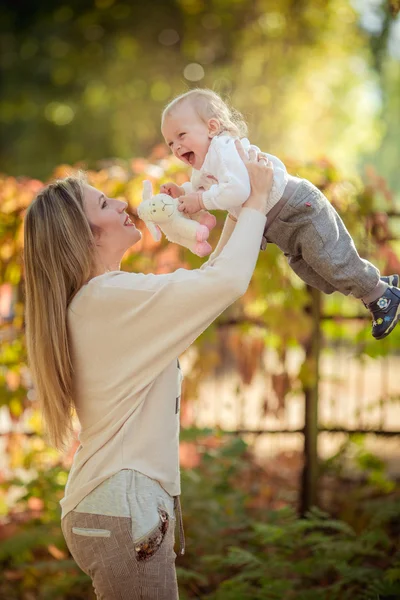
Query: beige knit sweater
{"x":127,"y":331}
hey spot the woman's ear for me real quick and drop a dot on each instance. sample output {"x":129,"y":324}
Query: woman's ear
{"x":214,"y":127}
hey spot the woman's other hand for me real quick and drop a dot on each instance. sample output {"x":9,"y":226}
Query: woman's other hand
{"x":261,"y":174}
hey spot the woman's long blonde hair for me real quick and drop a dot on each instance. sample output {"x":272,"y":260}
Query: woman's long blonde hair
{"x":59,"y":257}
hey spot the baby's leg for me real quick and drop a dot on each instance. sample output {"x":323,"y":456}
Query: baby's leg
{"x":319,"y":236}
{"x":322,"y":252}
{"x":308,"y":275}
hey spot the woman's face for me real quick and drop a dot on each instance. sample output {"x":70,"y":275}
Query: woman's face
{"x":117,"y":232}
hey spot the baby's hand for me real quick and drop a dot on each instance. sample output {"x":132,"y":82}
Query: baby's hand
{"x":172,"y":190}
{"x":191,"y":203}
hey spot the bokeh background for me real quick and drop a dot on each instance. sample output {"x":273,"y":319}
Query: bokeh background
{"x":290,"y":411}
{"x":85,"y":80}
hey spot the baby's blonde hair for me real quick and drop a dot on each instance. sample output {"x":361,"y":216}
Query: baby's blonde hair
{"x":209,"y":105}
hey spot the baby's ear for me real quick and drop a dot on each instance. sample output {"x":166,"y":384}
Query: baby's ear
{"x":214,"y":127}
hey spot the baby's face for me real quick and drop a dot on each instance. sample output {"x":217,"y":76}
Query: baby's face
{"x":187,"y":135}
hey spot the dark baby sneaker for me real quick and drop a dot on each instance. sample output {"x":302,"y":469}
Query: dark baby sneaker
{"x":385,"y":312}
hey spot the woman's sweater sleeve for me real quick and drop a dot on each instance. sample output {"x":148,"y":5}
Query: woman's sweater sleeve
{"x":164,"y":314}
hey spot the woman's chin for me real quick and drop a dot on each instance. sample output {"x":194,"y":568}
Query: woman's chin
{"x":133,"y":236}
{"x":136,"y":236}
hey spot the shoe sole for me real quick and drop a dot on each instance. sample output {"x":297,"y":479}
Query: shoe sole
{"x":391,"y":326}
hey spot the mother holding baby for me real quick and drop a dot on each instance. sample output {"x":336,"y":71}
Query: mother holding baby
{"x":104,"y":344}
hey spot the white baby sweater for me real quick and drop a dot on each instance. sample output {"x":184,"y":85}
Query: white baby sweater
{"x":224,"y":179}
{"x":127,"y":331}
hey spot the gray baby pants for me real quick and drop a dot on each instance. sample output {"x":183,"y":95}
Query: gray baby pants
{"x":317,"y":244}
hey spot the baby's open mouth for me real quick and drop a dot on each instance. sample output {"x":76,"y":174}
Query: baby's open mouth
{"x":188,"y":157}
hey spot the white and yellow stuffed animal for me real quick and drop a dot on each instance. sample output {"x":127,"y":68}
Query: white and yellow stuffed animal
{"x":160,"y":213}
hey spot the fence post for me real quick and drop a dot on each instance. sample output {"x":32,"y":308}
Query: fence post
{"x":309,"y":485}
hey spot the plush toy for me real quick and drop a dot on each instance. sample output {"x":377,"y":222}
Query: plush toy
{"x":160,"y":213}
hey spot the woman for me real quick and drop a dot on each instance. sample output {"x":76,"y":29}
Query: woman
{"x":106,"y":343}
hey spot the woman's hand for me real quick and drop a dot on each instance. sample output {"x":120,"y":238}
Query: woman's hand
{"x":261,"y":174}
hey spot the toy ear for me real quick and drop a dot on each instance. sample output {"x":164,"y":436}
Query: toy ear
{"x":154,"y":230}
{"x":147,"y":190}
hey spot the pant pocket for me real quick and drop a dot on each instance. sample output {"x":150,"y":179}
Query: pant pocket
{"x":302,"y":210}
{"x":147,"y":546}
{"x":86,"y":532}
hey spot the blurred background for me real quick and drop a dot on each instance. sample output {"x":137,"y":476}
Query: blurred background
{"x":86,"y":80}
{"x":291,"y":411}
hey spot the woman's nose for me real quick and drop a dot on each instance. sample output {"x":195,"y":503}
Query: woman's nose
{"x":122,"y":205}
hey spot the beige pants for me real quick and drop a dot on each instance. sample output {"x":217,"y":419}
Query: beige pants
{"x":122,"y":536}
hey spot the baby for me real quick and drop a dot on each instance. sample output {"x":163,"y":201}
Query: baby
{"x":201,"y":130}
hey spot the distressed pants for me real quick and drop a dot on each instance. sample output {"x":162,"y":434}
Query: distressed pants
{"x":122,"y":536}
{"x":317,"y":244}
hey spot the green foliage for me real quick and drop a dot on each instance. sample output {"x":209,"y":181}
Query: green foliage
{"x":20,"y":548}
{"x":354,"y":457}
{"x":33,"y":556}
{"x":246,"y":552}
{"x":313,"y":558}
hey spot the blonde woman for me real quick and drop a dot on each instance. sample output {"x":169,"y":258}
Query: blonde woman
{"x":105,"y":343}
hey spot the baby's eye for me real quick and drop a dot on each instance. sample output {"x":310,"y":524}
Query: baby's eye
{"x":182,"y":134}
{"x":104,"y":204}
